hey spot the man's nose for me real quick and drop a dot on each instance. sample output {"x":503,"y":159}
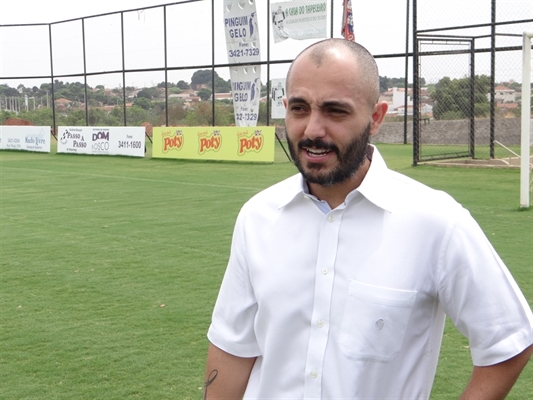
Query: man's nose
{"x":315,"y":126}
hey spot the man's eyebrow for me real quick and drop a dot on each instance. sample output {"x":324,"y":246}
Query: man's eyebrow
{"x":325,"y":104}
{"x":294,"y":99}
{"x":335,"y":104}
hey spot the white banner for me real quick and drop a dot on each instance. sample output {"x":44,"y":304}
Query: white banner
{"x":246,"y":91}
{"x":109,"y":141}
{"x":299,"y":19}
{"x":28,"y":138}
{"x":277,"y":95}
{"x":242,"y":32}
{"x":242,"y":43}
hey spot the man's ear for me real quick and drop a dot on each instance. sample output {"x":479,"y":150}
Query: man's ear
{"x":378,"y":115}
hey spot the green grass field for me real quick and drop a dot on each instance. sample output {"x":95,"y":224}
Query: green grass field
{"x":110,"y":267}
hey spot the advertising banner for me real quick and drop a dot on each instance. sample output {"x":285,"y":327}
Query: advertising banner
{"x":242,"y":43}
{"x":299,"y":19}
{"x":108,"y":141}
{"x":277,"y":95}
{"x":246,"y":92}
{"x":27,"y":138}
{"x":251,"y":144}
{"x":242,"y":32}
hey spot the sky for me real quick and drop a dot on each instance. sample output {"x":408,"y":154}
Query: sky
{"x":379,"y":25}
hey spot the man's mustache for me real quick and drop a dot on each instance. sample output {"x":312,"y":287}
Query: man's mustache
{"x":317,"y":144}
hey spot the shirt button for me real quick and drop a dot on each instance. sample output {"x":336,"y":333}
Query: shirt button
{"x":314,"y":374}
{"x":325,"y":271}
{"x":320,"y":323}
{"x":331,"y":218}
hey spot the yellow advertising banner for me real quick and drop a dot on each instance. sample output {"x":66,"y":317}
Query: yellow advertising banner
{"x":234,"y":143}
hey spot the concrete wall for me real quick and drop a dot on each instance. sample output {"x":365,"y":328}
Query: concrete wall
{"x":506,"y":131}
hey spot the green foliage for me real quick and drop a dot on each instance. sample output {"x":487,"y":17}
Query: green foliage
{"x":386,"y":83}
{"x":204,"y":94}
{"x":224,"y":115}
{"x":183,"y":85}
{"x":176,"y":115}
{"x":200,"y":114}
{"x":5,"y":90}
{"x":143,"y":102}
{"x":202,"y":77}
{"x":4,"y":115}
{"x":148,"y":93}
{"x":39,"y":117}
{"x":136,"y":115}
{"x":453,"y":97}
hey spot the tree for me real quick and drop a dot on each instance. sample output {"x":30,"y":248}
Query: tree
{"x":200,"y":114}
{"x":143,"y":102}
{"x":8,"y":91}
{"x":453,"y":97}
{"x":205,"y":94}
{"x":183,"y":85}
{"x":202,"y":77}
{"x":151,"y":93}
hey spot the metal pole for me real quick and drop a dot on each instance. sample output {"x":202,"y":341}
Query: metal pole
{"x":492,"y":75}
{"x":406,"y":73}
{"x":268,"y":64}
{"x":86,"y":105}
{"x":213,"y":61}
{"x":123,"y":68}
{"x":525,"y":121}
{"x":52,"y":79}
{"x":331,"y":33}
{"x":472,"y":98}
{"x":416,"y":122}
{"x":166,"y":64}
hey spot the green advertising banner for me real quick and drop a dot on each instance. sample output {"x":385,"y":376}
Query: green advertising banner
{"x":251,"y":144}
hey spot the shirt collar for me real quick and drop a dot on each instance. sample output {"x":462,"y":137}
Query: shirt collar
{"x":375,"y":186}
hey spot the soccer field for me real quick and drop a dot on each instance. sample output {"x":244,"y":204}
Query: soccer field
{"x":110,"y":267}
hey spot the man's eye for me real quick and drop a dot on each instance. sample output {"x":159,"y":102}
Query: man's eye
{"x":337,"y":111}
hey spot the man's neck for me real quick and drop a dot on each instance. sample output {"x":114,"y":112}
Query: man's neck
{"x":335,"y":195}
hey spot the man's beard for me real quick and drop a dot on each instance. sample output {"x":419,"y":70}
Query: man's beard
{"x":348,"y":161}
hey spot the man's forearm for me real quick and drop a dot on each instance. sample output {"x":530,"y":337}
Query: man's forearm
{"x":226,"y":375}
{"x":495,"y":381}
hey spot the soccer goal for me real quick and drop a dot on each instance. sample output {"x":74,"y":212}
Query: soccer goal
{"x":525,"y":166}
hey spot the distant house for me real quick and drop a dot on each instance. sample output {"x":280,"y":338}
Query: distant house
{"x":63,"y":101}
{"x":426,"y":110}
{"x":187,"y":96}
{"x":62,"y":104}
{"x":223,"y":96}
{"x":503,"y":94}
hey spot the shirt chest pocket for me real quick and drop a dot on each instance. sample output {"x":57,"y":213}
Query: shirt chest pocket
{"x":375,"y":321}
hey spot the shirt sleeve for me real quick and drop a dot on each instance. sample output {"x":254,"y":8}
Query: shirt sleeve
{"x":232,"y":324}
{"x":479,"y":294}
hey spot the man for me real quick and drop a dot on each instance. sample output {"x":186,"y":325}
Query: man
{"x":340,"y":277}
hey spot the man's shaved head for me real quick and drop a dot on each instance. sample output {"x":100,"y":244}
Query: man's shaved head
{"x":364,"y":62}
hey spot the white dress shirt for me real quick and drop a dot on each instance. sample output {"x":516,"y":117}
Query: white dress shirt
{"x":351,"y":303}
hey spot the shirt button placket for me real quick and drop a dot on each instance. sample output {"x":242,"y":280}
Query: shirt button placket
{"x":325,"y":272}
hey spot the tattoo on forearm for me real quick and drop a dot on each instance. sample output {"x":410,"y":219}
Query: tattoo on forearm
{"x":210,"y":379}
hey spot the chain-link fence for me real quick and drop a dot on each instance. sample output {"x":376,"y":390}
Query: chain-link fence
{"x":137,"y":66}
{"x":468,"y":95}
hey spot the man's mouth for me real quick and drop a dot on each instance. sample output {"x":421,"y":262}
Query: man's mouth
{"x":316,"y":152}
